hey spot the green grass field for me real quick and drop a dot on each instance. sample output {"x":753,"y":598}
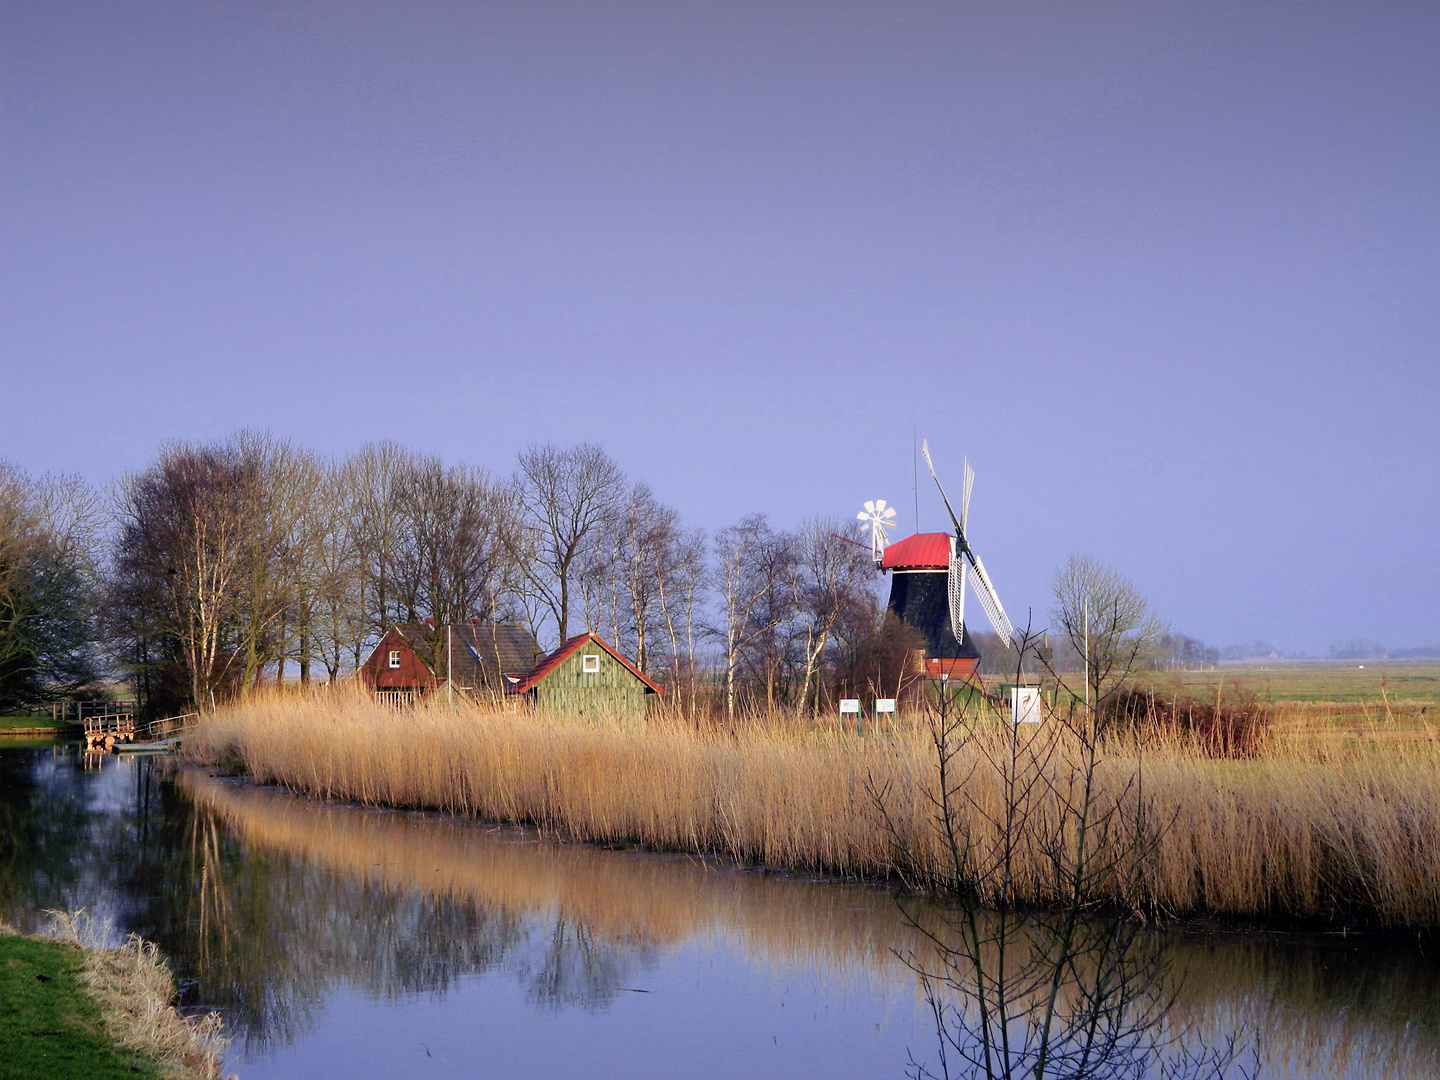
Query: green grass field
{"x":12,"y":723}
{"x":1369,"y":682}
{"x":49,"y":1027}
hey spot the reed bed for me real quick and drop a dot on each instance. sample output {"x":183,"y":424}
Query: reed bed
{"x":1334,"y":833}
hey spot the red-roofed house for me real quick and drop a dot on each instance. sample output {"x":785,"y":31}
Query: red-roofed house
{"x":586,"y":676}
{"x":414,"y":659}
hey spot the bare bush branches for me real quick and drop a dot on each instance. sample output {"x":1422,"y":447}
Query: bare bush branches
{"x":1028,"y":973}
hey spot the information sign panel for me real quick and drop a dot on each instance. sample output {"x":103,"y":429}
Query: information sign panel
{"x":1025,"y":704}
{"x":884,"y":705}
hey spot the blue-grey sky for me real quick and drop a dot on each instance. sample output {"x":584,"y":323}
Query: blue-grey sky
{"x":1166,"y":272}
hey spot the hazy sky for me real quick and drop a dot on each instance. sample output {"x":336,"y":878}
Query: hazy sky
{"x":1166,"y":272}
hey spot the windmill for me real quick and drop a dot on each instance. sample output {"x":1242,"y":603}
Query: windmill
{"x":881,"y":518}
{"x":930,"y":575}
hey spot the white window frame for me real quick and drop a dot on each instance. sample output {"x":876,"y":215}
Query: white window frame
{"x":590,"y":663}
{"x":394,"y":659}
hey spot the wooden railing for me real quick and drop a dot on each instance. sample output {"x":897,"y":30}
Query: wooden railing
{"x":170,"y":727}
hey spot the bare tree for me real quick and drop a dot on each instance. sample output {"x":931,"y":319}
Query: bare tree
{"x":336,"y":602}
{"x":373,"y":479}
{"x":754,"y":583}
{"x":1106,"y":622}
{"x":179,"y":556}
{"x":449,"y":563}
{"x":646,"y":549}
{"x":679,"y":590}
{"x":277,"y":482}
{"x":565,"y":498}
{"x":833,"y":580}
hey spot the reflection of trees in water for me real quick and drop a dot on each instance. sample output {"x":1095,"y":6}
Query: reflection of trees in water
{"x":269,"y":935}
{"x":42,"y":826}
{"x":265,"y":936}
{"x":579,"y":967}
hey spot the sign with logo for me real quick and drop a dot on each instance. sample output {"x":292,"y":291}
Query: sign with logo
{"x":849,"y":705}
{"x":1025,"y":704}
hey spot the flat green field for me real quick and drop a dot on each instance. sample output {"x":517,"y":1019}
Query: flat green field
{"x":1339,"y":681}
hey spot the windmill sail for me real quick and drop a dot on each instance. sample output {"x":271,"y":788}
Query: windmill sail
{"x":957,"y":593}
{"x":989,"y":601}
{"x":960,"y":553}
{"x":965,"y":486}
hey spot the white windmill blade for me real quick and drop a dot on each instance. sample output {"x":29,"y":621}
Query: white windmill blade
{"x":966,"y":485}
{"x":879,"y":507}
{"x":925,"y":449}
{"x":989,"y":601}
{"x":862,"y":516}
{"x":957,"y":593}
{"x":870,"y":507}
{"x":889,"y":516}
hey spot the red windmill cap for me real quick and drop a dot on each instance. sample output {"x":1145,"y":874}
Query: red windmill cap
{"x":923,"y":551}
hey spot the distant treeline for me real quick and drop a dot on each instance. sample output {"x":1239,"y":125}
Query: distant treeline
{"x":1354,"y":649}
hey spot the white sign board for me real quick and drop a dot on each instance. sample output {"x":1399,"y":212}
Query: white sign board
{"x":849,"y":705}
{"x":884,"y":704}
{"x":1025,"y":704}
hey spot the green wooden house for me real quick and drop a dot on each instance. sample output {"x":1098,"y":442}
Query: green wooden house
{"x":587,"y":677}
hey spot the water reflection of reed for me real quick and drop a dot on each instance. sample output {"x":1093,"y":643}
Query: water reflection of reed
{"x":1317,"y":1011}
{"x":631,"y":897}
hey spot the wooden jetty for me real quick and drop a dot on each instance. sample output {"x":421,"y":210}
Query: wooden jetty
{"x":108,"y":729}
{"x":117,"y":733}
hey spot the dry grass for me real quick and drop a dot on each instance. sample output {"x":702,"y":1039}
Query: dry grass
{"x":1319,"y":832}
{"x":136,"y":992}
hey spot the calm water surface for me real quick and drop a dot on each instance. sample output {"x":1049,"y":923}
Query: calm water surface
{"x":340,"y":941}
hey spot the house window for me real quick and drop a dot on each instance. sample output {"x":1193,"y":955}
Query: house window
{"x":590,"y":663}
{"x":394,"y":659}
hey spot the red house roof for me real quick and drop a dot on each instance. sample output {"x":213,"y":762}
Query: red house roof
{"x":548,"y":664}
{"x":923,"y":551}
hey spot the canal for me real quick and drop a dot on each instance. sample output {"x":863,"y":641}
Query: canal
{"x":343,"y":941}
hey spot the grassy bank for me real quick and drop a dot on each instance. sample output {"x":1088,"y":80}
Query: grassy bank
{"x":68,"y":1010}
{"x":31,"y":725}
{"x":1303,"y":831}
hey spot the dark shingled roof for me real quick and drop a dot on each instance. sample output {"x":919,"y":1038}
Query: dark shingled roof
{"x":482,"y":651}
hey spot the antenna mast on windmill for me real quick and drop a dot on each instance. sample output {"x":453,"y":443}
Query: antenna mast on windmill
{"x":881,"y":518}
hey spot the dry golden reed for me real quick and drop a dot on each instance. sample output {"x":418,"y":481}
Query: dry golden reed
{"x":1338,"y":833}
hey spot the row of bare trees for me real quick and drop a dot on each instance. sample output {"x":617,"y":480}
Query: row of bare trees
{"x":233,"y":561}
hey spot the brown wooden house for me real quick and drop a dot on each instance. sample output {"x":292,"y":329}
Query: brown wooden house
{"x":415,"y":659}
{"x":588,"y":677}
